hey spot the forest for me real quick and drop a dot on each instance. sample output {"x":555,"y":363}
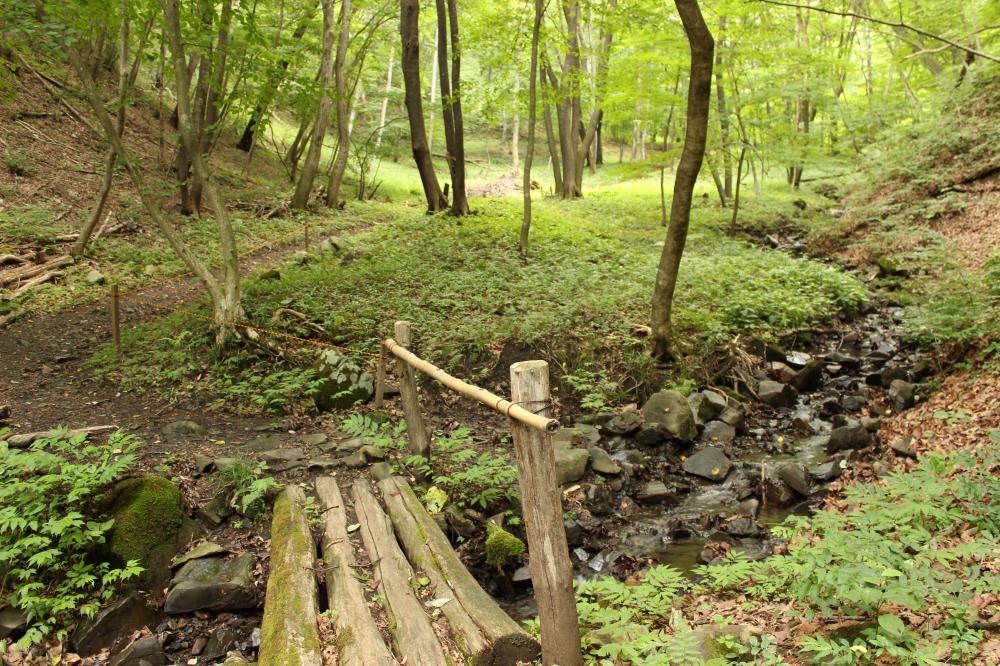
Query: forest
{"x":499,"y":332}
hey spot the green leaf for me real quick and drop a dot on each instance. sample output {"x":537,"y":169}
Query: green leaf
{"x":892,"y":624}
{"x":353,"y":527}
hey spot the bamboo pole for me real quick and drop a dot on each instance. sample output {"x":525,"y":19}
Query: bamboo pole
{"x":512,"y":409}
{"x":416,"y":429}
{"x":549,"y":565}
{"x":380,"y":377}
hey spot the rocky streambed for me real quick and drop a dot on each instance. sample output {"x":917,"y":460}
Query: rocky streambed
{"x":683,"y":480}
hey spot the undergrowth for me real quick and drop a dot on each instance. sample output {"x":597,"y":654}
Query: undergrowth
{"x":909,"y":568}
{"x":50,"y":536}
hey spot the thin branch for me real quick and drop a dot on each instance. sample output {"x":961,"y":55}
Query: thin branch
{"x":892,"y":24}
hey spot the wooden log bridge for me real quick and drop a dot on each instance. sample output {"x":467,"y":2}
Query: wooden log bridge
{"x":425,"y":609}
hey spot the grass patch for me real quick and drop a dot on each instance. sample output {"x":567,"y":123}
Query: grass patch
{"x":588,"y":281}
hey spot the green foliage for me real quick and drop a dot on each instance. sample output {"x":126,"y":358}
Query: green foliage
{"x":49,"y":533}
{"x":17,"y":163}
{"x":382,"y":433}
{"x":245,"y":487}
{"x":501,"y":547}
{"x":919,"y":542}
{"x":597,"y":392}
{"x":482,"y":479}
{"x":962,"y":307}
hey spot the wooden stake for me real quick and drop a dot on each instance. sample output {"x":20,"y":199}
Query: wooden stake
{"x":380,"y":377}
{"x":416,"y":429}
{"x":549,"y":565}
{"x":116,"y":336}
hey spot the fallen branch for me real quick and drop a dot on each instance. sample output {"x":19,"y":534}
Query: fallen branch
{"x":32,"y":284}
{"x":10,"y":317}
{"x":26,"y":272}
{"x":70,"y":109}
{"x":21,"y":441}
{"x":11,"y":259}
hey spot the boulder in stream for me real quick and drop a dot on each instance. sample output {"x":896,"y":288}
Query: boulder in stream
{"x":623,"y":423}
{"x":796,"y":476}
{"x":718,"y":432}
{"x":655,"y":492}
{"x":709,"y":463}
{"x":777,"y":394}
{"x":901,"y":393}
{"x":706,"y":405}
{"x":852,"y":436}
{"x":213,"y":583}
{"x":571,"y":464}
{"x":809,"y":378}
{"x":602,"y":463}
{"x":670,"y":411}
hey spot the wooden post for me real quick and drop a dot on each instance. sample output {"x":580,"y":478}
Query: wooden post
{"x":416,"y":430}
{"x":116,"y":336}
{"x":549,"y":565}
{"x":380,"y":376}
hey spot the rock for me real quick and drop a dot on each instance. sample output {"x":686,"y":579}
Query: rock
{"x":649,"y":435}
{"x":749,"y":507}
{"x":796,"y":476}
{"x":226,"y":464}
{"x":843,"y":360}
{"x":742,"y":526}
{"x":718,"y":432}
{"x":602,"y":463}
{"x":671,"y":411}
{"x":571,"y":464}
{"x":853,"y":403}
{"x":321,"y":464}
{"x":203,"y":464}
{"x":830,"y":407}
{"x":112,"y":625}
{"x":13,"y":622}
{"x":314,"y":439}
{"x":355,"y":460}
{"x":706,"y":405}
{"x":798,"y":360}
{"x":95,"y":277}
{"x":521,"y":575}
{"x":276,"y":457}
{"x":777,"y":394}
{"x":848,"y":437}
{"x":182,"y":430}
{"x":781,"y":371}
{"x":891,"y":373}
{"x":904,"y":447}
{"x":889,"y":266}
{"x":373,"y":452}
{"x":381,"y":471}
{"x":580,"y":435}
{"x":270,"y":274}
{"x":342,"y":382}
{"x":809,"y":378}
{"x":149,"y":514}
{"x":709,"y":463}
{"x":204,"y":549}
{"x":828,"y":471}
{"x":263,"y":443}
{"x":215,"y":511}
{"x":871,"y":424}
{"x":777,"y":492}
{"x":655,"y":492}
{"x":574,"y":533}
{"x":880,"y":469}
{"x":624,"y":423}
{"x":4,"y":412}
{"x":222,"y":641}
{"x":213,"y":584}
{"x":144,"y":651}
{"x":901,"y":393}
{"x":734,"y":416}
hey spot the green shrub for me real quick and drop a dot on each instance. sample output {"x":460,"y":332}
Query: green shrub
{"x":245,"y":487}
{"x":501,"y":546}
{"x":48,"y":534}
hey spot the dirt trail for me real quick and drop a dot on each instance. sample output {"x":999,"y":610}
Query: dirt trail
{"x":43,"y":380}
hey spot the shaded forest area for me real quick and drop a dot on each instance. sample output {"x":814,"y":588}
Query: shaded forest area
{"x":755,"y":242}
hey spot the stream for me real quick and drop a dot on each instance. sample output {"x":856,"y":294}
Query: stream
{"x":784,"y":453}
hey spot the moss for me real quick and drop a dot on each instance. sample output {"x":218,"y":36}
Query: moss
{"x":501,"y":546}
{"x":148,"y":513}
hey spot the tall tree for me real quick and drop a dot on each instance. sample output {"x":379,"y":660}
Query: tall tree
{"x":303,"y":188}
{"x":529,"y":154}
{"x":702,"y":47}
{"x":451,"y":100}
{"x":343,"y":112}
{"x":409,"y":30}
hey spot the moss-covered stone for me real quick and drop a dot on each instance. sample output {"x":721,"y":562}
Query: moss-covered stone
{"x":501,"y":546}
{"x":149,"y":515}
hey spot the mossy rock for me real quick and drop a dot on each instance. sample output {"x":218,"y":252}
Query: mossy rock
{"x":501,"y":546}
{"x":149,"y":523}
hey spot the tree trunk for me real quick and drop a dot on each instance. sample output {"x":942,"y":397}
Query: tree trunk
{"x":515,"y":133}
{"x":550,"y":135}
{"x":228,"y":309}
{"x":217,"y":86}
{"x":343,"y":113}
{"x":385,"y":109}
{"x":702,"y":46}
{"x":720,"y":96}
{"x":529,"y":154}
{"x":569,"y":119}
{"x":409,"y":29}
{"x":311,"y":165}
{"x":451,"y":101}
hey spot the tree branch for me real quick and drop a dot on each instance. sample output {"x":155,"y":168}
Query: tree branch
{"x":892,"y":24}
